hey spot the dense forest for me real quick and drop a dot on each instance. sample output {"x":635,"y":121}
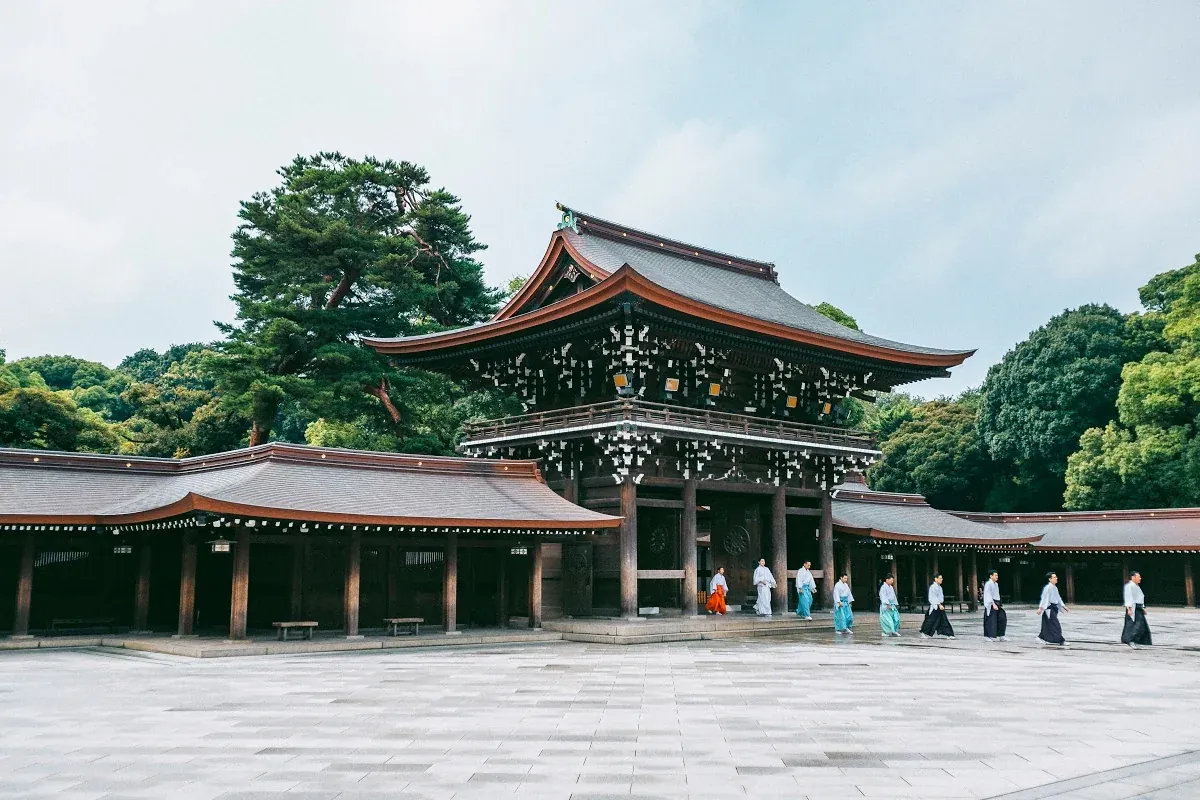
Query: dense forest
{"x":1095,"y":409}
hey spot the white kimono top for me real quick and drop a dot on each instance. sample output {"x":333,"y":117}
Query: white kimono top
{"x":1134,"y":595}
{"x":936,"y":596}
{"x":842,"y":594}
{"x":1050,"y":596}
{"x":805,"y":578}
{"x":991,"y":594}
{"x":887,"y":596}
{"x":763,"y":575}
{"x":718,"y":580}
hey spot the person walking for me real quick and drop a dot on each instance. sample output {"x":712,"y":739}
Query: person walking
{"x":889,"y":608}
{"x":843,"y":613}
{"x":1136,"y":632}
{"x":936,"y":622}
{"x":1048,"y":609}
{"x":718,"y":587}
{"x":764,"y":582}
{"x":995,"y":619}
{"x":806,"y":587}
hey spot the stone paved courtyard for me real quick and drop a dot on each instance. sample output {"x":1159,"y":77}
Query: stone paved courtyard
{"x":799,"y":717}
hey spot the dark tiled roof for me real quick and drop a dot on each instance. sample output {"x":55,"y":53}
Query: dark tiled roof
{"x":287,"y":480}
{"x":908,"y":517}
{"x":733,"y":290}
{"x":1172,"y":528}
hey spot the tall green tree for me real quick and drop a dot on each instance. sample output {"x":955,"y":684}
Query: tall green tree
{"x":935,"y":450}
{"x":341,"y":249}
{"x":1052,"y":387}
{"x":1150,"y":456}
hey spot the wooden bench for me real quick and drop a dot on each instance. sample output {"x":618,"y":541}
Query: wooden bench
{"x":413,"y":623}
{"x":87,"y":622}
{"x":282,"y":629}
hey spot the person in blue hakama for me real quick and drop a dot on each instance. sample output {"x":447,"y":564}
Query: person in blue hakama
{"x":806,"y":587}
{"x":889,"y":608}
{"x":843,"y":614}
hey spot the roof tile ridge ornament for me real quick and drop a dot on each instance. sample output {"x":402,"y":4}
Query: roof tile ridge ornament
{"x":583,"y":223}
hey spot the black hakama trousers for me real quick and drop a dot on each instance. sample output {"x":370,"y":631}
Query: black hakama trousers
{"x":936,"y":622}
{"x":995,"y":623}
{"x":1051,"y":630}
{"x":1136,"y":630}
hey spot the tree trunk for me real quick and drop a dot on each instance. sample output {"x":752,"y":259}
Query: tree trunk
{"x":258,"y":434}
{"x":343,"y":288}
{"x":381,"y":392}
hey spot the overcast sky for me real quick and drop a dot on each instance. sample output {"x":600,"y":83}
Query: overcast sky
{"x":951,"y":176}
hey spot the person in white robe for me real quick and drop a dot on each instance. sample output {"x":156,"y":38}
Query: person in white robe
{"x":936,"y":622}
{"x":764,"y":582}
{"x":995,"y":619}
{"x":843,"y":606}
{"x":806,"y":589}
{"x":889,"y":608}
{"x":1136,"y":631}
{"x":1048,"y":608}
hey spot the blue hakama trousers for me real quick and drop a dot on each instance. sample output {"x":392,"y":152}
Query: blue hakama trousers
{"x":843,"y":618}
{"x":804,"y":602}
{"x":889,"y":620}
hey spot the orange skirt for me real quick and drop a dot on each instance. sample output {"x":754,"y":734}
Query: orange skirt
{"x":716,"y":601}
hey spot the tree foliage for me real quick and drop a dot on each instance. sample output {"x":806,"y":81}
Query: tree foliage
{"x":1150,"y":456}
{"x":341,"y":249}
{"x":1049,"y":389}
{"x":934,"y":449}
{"x":836,"y":314}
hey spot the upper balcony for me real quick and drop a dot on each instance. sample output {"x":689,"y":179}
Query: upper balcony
{"x":671,"y":422}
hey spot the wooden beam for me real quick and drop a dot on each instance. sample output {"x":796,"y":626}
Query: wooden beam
{"x":974,"y":600}
{"x":353,"y":583}
{"x":141,"y":600}
{"x":187,"y":585}
{"x":659,"y":574}
{"x":779,"y":595}
{"x":797,"y":511}
{"x":450,"y":584}
{"x":1070,"y":583}
{"x":1189,"y":583}
{"x":629,"y":593}
{"x":687,"y":544}
{"x":20,"y":628}
{"x":239,"y":599}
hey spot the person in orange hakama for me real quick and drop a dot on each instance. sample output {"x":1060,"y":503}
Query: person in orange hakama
{"x":717,"y":589}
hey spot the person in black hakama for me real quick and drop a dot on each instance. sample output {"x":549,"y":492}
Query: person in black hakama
{"x":935,"y":618}
{"x":1048,"y":608}
{"x":995,"y":620}
{"x":1136,"y":632}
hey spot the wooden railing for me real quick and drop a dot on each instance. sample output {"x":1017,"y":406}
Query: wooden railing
{"x":659,"y":414}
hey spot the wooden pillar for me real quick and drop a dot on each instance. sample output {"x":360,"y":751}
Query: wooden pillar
{"x":239,"y":599}
{"x":779,"y":595}
{"x":450,"y":585}
{"x":974,"y":600}
{"x":395,"y":560}
{"x":187,"y":585}
{"x":296,"y":603}
{"x":928,"y":561}
{"x":502,"y":600}
{"x":1124,"y":569}
{"x":895,"y":574}
{"x":571,"y":489}
{"x":875,"y":574}
{"x":535,"y":585}
{"x":1017,"y":581}
{"x":933,"y":564}
{"x":1070,"y":582}
{"x":687,"y":545}
{"x":914,"y":588}
{"x":961,"y":585}
{"x":629,"y":589}
{"x":141,"y":602}
{"x":1189,"y":583}
{"x":24,"y":588}
{"x":353,"y":583}
{"x":825,"y":548}
{"x":847,"y":563}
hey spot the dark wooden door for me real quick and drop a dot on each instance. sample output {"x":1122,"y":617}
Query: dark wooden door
{"x":577,"y":579}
